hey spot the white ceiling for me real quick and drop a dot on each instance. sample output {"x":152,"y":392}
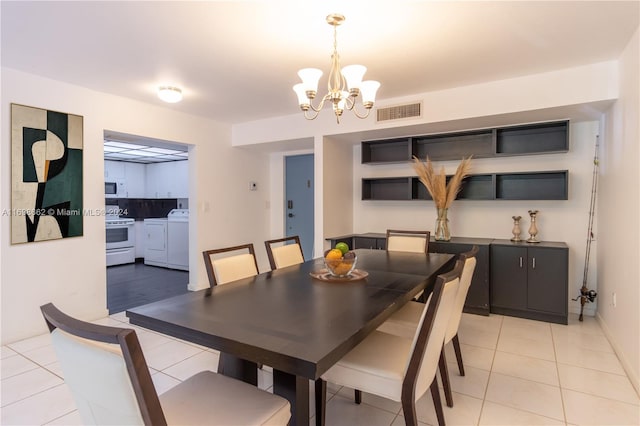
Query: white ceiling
{"x":237,"y":61}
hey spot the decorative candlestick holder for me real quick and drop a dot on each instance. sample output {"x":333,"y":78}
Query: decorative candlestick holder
{"x":533,"y":229}
{"x":516,"y":228}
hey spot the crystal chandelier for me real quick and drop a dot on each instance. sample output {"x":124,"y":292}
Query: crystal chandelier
{"x":344,"y":85}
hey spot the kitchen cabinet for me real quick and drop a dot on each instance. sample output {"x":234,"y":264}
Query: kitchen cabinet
{"x":113,"y":170}
{"x":167,"y":180}
{"x":530,"y":280}
{"x":134,"y":179}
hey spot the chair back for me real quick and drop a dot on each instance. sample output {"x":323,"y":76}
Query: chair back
{"x":105,"y":370}
{"x":469,"y":259}
{"x":281,"y":254}
{"x":429,"y":337}
{"x":410,"y":241}
{"x":223,"y":267}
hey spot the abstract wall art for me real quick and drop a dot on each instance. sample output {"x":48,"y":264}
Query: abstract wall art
{"x":46,"y":174}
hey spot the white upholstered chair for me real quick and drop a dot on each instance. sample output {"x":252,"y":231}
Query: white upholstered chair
{"x":223,"y":268}
{"x":282,"y":253}
{"x":411,"y":241}
{"x":395,"y":367}
{"x":108,"y":376}
{"x":405,"y":321}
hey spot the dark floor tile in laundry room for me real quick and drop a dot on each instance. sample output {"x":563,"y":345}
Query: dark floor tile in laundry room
{"x":137,"y":284}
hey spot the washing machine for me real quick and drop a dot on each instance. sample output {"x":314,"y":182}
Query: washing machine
{"x":155,"y":242}
{"x":178,"y":239}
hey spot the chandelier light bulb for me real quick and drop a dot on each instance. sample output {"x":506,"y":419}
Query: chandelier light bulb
{"x":353,"y":75}
{"x":310,"y":78}
{"x":368,"y":90}
{"x":170,"y":94}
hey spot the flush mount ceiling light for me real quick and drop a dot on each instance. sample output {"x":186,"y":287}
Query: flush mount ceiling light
{"x":344,"y":85}
{"x":170,"y":94}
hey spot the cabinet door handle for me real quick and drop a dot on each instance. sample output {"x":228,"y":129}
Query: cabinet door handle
{"x":534,"y":263}
{"x":521,"y":261}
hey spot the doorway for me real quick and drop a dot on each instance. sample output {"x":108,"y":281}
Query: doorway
{"x":299,"y":205}
{"x":146,"y":187}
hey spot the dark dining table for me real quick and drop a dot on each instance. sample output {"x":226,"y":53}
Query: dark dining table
{"x":297,"y":324}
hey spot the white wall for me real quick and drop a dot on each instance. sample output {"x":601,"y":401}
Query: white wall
{"x":617,"y":214}
{"x":71,"y":272}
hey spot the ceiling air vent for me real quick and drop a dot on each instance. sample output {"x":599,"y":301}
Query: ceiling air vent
{"x":399,"y":111}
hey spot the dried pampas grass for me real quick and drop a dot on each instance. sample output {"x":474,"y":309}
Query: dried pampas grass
{"x":443,"y":193}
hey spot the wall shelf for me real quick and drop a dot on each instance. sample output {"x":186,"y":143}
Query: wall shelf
{"x":538,"y":138}
{"x":539,"y":185}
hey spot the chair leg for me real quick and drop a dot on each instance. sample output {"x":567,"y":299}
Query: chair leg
{"x":357,"y":394}
{"x":409,"y":410}
{"x":456,"y":347}
{"x":321,"y":402}
{"x":437,"y":403}
{"x":444,"y":374}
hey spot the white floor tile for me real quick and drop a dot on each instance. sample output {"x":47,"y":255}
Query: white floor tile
{"x":598,"y":383}
{"x":586,"y":358}
{"x":39,"y":408}
{"x":150,"y":340}
{"x":31,"y":343}
{"x":120,"y":316}
{"x":525,"y":367}
{"x":589,"y":325}
{"x":343,"y":411}
{"x":110,"y":322}
{"x":500,"y":415}
{"x":27,"y":384}
{"x":523,"y":345}
{"x":71,"y":419}
{"x":15,"y":365}
{"x":537,"y":398}
{"x":6,"y":351}
{"x":586,"y":409}
{"x":473,"y":383}
{"x":193,"y":365}
{"x":534,"y":330}
{"x":472,"y":356}
{"x":168,"y":354}
{"x":373,"y":400}
{"x":465,"y":410}
{"x":43,"y":356}
{"x":566,"y":337}
{"x":163,"y":382}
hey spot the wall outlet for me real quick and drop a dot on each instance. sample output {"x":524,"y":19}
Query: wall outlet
{"x":253,"y":186}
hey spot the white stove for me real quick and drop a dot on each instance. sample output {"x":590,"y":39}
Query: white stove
{"x":121,"y":238}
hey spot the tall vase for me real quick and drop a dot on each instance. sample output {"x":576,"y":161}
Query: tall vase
{"x":442,"y":226}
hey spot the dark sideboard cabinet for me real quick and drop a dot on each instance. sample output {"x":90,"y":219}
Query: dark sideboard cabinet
{"x":477,"y":301}
{"x":516,"y":279}
{"x":530,"y":280}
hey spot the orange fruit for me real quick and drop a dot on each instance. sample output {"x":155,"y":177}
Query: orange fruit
{"x":334,"y":254}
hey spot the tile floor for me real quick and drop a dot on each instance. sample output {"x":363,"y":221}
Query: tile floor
{"x":518,"y":372}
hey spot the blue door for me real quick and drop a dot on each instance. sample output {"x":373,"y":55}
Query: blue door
{"x":298,"y":209}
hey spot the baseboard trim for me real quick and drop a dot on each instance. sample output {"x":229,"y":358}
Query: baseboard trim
{"x":626,"y":365}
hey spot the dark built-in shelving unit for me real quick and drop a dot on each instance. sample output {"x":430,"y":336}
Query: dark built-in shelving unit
{"x":547,"y":185}
{"x":538,"y":138}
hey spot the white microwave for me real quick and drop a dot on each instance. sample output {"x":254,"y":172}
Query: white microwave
{"x":115,"y":189}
